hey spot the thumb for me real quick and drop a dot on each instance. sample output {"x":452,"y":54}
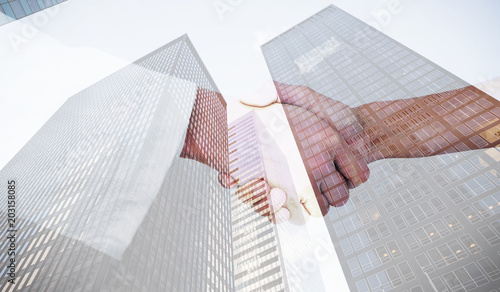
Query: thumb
{"x":264,"y":96}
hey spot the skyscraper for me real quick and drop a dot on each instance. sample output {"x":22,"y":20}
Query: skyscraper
{"x":290,"y":255}
{"x":427,"y":224}
{"x":11,"y":10}
{"x":258,"y":261}
{"x":103,"y":199}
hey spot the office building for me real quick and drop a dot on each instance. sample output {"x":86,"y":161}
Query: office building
{"x":104,"y":200}
{"x":426,"y":224}
{"x":258,"y":261}
{"x":296,"y":254}
{"x":11,"y":10}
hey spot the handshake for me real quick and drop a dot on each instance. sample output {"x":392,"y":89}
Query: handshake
{"x":332,"y":163}
{"x":337,"y":142}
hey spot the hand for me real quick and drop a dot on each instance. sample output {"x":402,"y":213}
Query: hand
{"x":275,"y":198}
{"x":212,"y":157}
{"x":331,"y":163}
{"x":278,"y":205}
{"x":354,"y":137}
{"x":278,"y":200}
{"x":334,"y":134}
{"x":264,"y":200}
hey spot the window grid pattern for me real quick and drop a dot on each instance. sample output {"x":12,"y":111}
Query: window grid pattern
{"x":93,"y":147}
{"x":444,"y":205}
{"x":11,"y":10}
{"x":258,"y":262}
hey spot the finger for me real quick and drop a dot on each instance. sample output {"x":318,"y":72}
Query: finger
{"x":354,"y":169}
{"x":333,"y":185}
{"x":310,"y":100}
{"x":265,"y":96}
{"x":253,"y":191}
{"x":323,"y":203}
{"x":282,"y":215}
{"x":271,"y":204}
{"x":324,"y":144}
{"x":298,"y":95}
{"x":277,"y":198}
{"x":227,"y":181}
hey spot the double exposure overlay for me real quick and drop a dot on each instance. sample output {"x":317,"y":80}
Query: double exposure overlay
{"x":411,"y":224}
{"x":138,"y":182}
{"x":258,"y":261}
{"x":107,"y":200}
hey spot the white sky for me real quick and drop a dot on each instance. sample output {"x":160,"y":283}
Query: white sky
{"x":45,"y":58}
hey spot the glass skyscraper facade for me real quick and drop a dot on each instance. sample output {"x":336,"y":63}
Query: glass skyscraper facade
{"x":424,"y":224}
{"x":289,"y":255}
{"x":11,"y":10}
{"x":258,"y":262}
{"x":105,"y":200}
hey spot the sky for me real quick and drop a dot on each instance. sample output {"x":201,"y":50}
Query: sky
{"x":47,"y":57}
